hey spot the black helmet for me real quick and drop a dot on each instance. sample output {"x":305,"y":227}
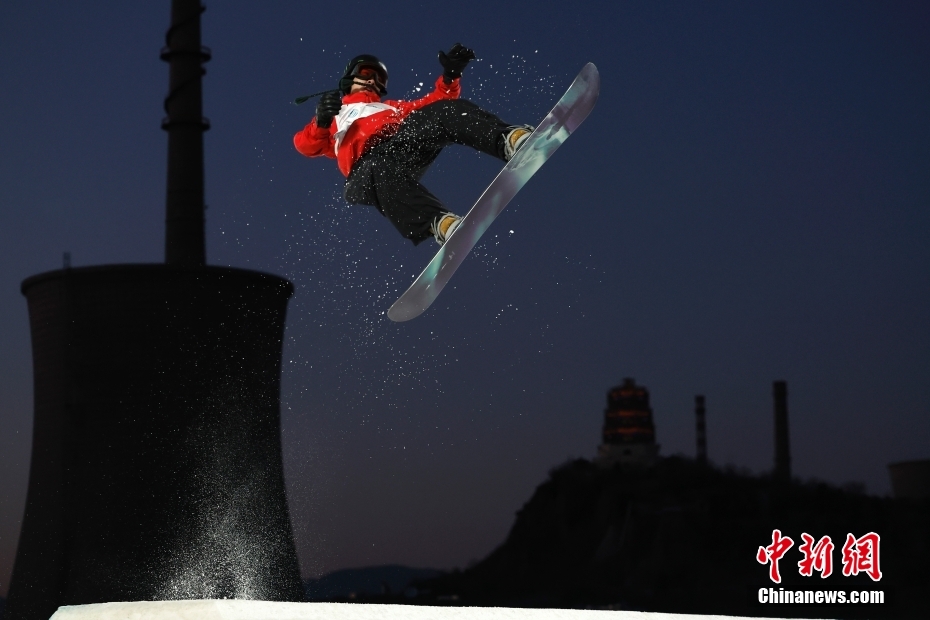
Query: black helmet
{"x":365,"y":60}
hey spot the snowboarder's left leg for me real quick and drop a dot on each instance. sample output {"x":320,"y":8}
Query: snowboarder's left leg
{"x":454,"y":121}
{"x":388,"y":176}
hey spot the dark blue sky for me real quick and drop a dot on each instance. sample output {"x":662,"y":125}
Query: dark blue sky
{"x":749,"y":201}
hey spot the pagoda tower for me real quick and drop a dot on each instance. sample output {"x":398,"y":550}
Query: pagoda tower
{"x":628,"y":436}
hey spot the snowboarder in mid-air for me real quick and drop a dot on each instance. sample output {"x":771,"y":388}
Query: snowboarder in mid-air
{"x":385,"y":148}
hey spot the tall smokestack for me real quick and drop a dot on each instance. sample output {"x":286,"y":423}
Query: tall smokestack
{"x":701,"y":429}
{"x":185,"y":124}
{"x":782,"y":450}
{"x":156,"y":466}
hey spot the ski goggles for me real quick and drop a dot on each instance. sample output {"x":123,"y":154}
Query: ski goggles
{"x":367,"y":72}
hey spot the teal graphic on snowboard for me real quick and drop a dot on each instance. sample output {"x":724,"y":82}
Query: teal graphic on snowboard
{"x":565,"y":117}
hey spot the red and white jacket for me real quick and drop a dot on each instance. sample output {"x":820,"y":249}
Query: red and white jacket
{"x":363,"y":117}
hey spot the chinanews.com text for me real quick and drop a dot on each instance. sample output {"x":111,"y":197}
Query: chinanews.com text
{"x":781,"y":596}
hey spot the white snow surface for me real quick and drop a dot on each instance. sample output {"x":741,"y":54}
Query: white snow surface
{"x":260,"y":610}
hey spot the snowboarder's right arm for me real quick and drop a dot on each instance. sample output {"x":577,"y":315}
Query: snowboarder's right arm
{"x":314,"y":141}
{"x":316,"y":138}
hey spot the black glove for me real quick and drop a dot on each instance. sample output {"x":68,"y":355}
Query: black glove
{"x":328,"y":107}
{"x":454,"y":61}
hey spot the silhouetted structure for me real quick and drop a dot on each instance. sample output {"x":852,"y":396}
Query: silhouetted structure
{"x":782,"y":450}
{"x":699,"y":413}
{"x":185,"y":124}
{"x":628,"y":434}
{"x":910,"y":479}
{"x":156,"y":466}
{"x":683,"y":538}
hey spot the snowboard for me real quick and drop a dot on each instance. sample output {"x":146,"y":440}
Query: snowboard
{"x":568,"y":113}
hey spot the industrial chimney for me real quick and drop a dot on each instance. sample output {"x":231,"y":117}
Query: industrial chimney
{"x":701,"y":429}
{"x":910,"y":479}
{"x":185,"y":124}
{"x":782,"y":452}
{"x":156,"y":467}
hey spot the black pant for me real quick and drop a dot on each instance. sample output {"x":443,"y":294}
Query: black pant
{"x":388,"y":175}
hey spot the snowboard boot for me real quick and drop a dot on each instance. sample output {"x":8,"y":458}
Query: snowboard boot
{"x":444,"y":225}
{"x":514,"y":139}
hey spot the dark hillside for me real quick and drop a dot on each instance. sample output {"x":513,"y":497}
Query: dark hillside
{"x":681,"y":537}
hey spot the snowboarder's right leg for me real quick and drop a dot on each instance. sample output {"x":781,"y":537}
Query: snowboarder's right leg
{"x":395,"y":190}
{"x":444,"y":226}
{"x":515,"y":138}
{"x":388,"y":176}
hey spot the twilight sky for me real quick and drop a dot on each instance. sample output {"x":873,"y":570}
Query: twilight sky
{"x":749,"y":201}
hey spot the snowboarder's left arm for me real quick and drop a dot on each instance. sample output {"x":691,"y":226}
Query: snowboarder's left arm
{"x":441,"y":91}
{"x":454,"y":61}
{"x":448,"y":85}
